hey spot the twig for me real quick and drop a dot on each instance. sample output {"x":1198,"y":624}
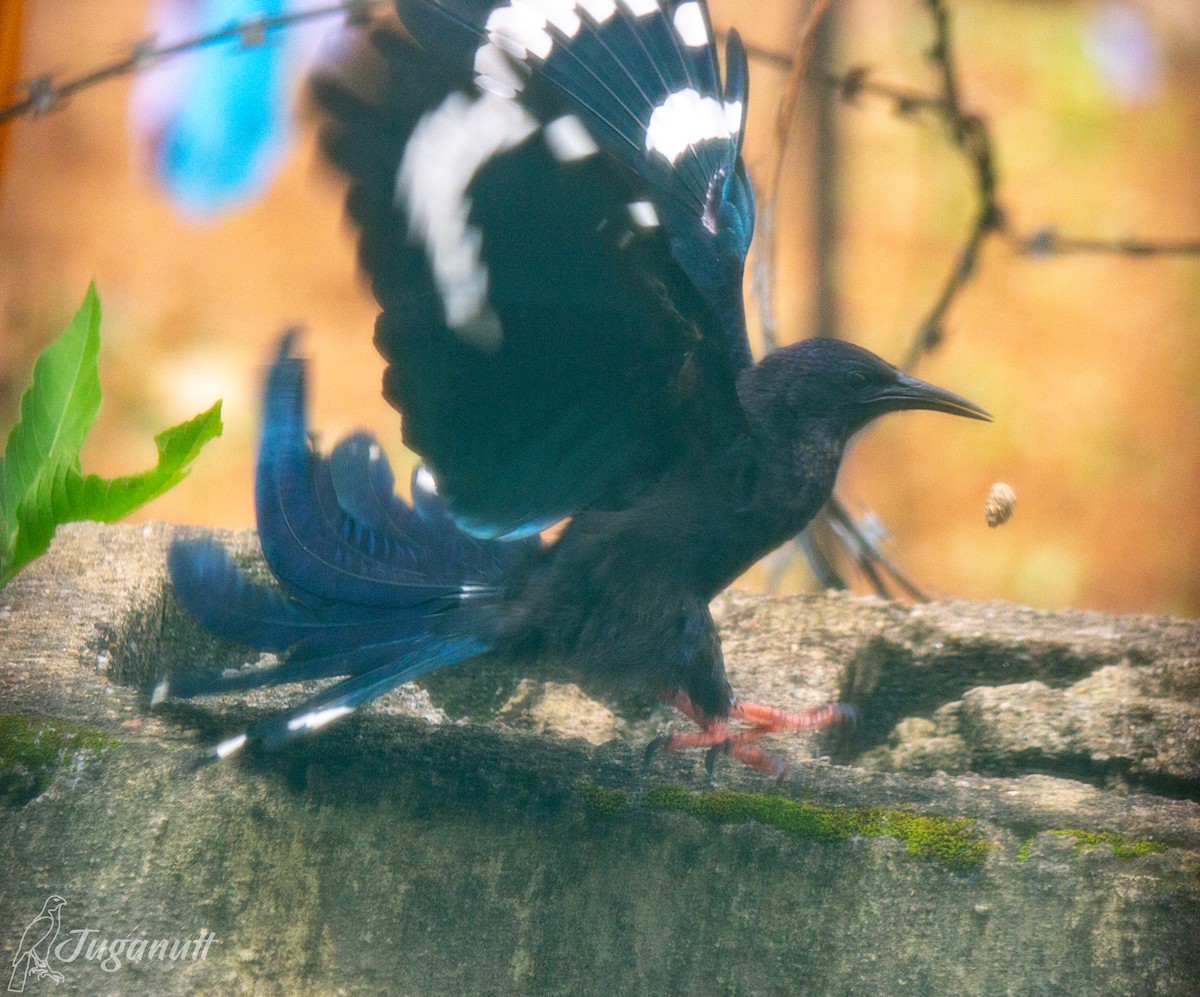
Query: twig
{"x":862,"y":541}
{"x":785,"y":112}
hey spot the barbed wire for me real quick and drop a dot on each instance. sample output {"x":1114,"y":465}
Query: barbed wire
{"x":43,"y":94}
{"x":970,"y":134}
{"x":862,"y":538}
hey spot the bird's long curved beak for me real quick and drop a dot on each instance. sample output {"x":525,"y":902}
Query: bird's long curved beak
{"x":909,"y":392}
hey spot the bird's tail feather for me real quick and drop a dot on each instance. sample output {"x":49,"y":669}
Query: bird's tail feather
{"x":342,"y":698}
{"x":333,"y":528}
{"x":370,"y":586}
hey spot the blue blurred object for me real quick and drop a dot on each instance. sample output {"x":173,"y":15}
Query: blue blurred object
{"x":214,"y":125}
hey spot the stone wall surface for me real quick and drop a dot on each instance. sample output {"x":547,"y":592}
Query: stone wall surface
{"x":1014,"y":814}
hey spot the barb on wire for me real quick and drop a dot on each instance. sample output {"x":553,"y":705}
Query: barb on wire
{"x":968,"y":133}
{"x":43,"y":94}
{"x":861,"y":539}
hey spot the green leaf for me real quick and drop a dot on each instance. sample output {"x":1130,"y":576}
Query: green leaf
{"x":56,"y":414}
{"x":94,"y":497}
{"x":42,"y":485}
{"x":70,"y":497}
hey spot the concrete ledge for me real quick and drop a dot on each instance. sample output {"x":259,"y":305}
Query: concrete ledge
{"x":1027,"y":824}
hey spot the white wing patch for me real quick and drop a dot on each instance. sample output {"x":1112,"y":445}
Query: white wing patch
{"x":569,"y":140}
{"x":446,"y":149}
{"x":495,"y":73}
{"x":686,"y":119}
{"x":560,"y":13}
{"x":643,"y":214}
{"x":733,"y":116}
{"x":520,"y":29}
{"x":690,"y":26}
{"x":598,"y":10}
{"x":641,"y":8}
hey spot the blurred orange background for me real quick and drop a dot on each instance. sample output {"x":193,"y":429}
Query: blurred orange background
{"x":1090,"y":363}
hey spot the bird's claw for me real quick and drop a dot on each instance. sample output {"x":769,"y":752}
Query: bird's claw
{"x":654,"y":747}
{"x":713,"y":753}
{"x":714,"y":734}
{"x":848,"y":713}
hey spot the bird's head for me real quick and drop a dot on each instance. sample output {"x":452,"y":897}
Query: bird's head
{"x":844,"y":386}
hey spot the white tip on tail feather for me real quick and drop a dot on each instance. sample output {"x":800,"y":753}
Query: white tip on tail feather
{"x":317,"y":719}
{"x":161,"y":691}
{"x":229,"y":747}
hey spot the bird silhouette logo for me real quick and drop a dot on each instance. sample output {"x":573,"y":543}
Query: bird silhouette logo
{"x":33,"y":954}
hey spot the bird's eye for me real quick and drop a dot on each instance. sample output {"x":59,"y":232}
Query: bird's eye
{"x":856,"y":379}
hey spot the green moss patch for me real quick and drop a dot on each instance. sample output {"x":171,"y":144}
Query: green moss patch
{"x":950,"y":841}
{"x":1122,"y":847}
{"x":34,"y":749}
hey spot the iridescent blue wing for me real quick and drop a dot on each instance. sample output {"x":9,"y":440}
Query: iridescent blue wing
{"x":333,"y":528}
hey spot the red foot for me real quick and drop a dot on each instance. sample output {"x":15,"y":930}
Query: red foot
{"x":716,"y":736}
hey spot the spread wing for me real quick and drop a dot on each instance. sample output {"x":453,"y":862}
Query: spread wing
{"x":554,"y":218}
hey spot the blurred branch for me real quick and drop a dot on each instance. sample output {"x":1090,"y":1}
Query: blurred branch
{"x":43,"y":94}
{"x":825,"y":157}
{"x":763,"y":269}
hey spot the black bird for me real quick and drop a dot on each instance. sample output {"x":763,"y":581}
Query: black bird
{"x":554,"y":214}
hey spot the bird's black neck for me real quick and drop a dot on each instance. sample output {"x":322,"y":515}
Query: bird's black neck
{"x":779,"y":479}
